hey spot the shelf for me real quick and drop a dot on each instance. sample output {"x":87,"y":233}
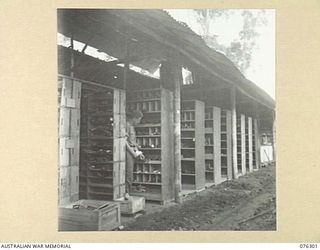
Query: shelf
{"x":144,"y":100}
{"x":100,"y":193}
{"x":188,"y":174}
{"x":98,"y":138}
{"x":187,"y":110}
{"x":187,"y":159}
{"x":146,"y":125}
{"x":101,"y":163}
{"x":208,"y":156}
{"x":149,"y":162}
{"x":150,"y":148}
{"x":187,"y":129}
{"x":98,"y":177}
{"x":100,"y":115}
{"x":187,"y":148}
{"x":143,"y":136}
{"x":147,"y":183}
{"x":100,"y":185}
{"x":151,"y":112}
{"x":147,"y":173}
{"x":187,"y":138}
{"x":146,"y":90}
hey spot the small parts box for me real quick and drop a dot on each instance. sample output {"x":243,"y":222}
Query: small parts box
{"x":89,"y":215}
{"x":133,"y":205}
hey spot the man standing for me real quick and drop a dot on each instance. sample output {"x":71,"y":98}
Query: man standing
{"x":133,"y":118}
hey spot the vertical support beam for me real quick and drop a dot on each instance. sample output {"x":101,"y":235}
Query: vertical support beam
{"x":234,"y":131}
{"x":243,"y":144}
{"x":72,"y":58}
{"x":250,"y":144}
{"x":229,"y":144}
{"x":177,"y":80}
{"x":258,"y":142}
{"x":217,"y":144}
{"x":126,"y":64}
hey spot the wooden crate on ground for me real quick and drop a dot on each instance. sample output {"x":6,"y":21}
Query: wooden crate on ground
{"x":89,"y":215}
{"x":133,"y":205}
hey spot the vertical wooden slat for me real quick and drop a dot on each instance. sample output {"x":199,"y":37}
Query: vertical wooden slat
{"x":234,"y":132}
{"x":250,"y":144}
{"x":199,"y":143}
{"x":69,"y":141}
{"x":229,"y":143}
{"x":217,"y":144}
{"x":167,"y":167}
{"x":177,"y":79}
{"x":258,"y":157}
{"x":243,"y":144}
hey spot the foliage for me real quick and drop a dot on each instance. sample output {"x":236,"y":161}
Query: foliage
{"x":241,"y":48}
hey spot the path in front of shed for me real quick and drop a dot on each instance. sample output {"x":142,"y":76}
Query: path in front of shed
{"x":245,"y":204}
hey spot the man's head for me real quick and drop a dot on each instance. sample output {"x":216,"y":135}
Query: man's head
{"x":134,"y":116}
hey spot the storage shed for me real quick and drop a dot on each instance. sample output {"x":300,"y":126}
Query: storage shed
{"x":193,"y":135}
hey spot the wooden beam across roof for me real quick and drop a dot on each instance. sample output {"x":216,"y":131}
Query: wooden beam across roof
{"x":156,"y":33}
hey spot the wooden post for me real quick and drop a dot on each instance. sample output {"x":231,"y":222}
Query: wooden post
{"x":234,"y":131}
{"x":177,"y":80}
{"x":229,"y":144}
{"x":126,"y":64}
{"x":258,"y":141}
{"x":243,"y":144}
{"x":250,"y":124}
{"x":72,"y":58}
{"x":217,"y":145}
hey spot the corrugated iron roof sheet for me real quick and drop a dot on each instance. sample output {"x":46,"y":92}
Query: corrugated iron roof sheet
{"x":154,"y":36}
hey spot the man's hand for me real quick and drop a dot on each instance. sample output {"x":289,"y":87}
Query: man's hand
{"x":142,"y":157}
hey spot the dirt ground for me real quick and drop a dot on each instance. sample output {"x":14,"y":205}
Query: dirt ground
{"x":248,"y":203}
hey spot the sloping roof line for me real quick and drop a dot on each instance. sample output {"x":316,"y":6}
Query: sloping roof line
{"x":191,"y":43}
{"x":165,"y":31}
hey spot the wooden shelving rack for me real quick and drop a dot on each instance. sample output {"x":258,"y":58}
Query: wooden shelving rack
{"x":213,"y":145}
{"x":226,"y":145}
{"x":254,"y":153}
{"x":153,"y":178}
{"x":241,"y":144}
{"x":239,"y":151}
{"x":209,"y":145}
{"x":102,"y":144}
{"x":247,"y":153}
{"x":192,"y":141}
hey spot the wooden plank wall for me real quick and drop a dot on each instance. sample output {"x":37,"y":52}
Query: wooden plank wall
{"x":167,"y":147}
{"x":69,"y":141}
{"x":199,"y":145}
{"x":119,"y":150}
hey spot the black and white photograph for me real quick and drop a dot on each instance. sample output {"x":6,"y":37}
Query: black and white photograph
{"x":166,"y":120}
